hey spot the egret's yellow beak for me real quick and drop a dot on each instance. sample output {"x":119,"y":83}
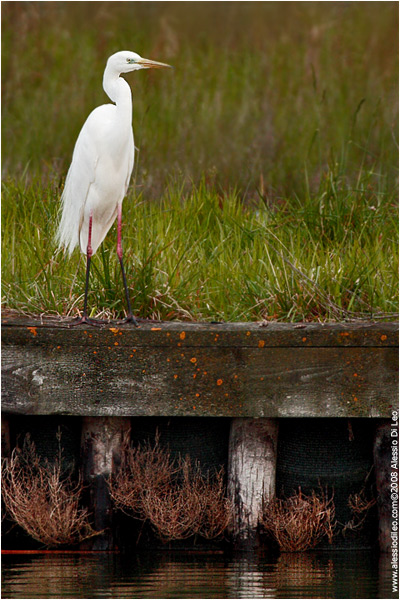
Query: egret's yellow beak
{"x":151,"y":64}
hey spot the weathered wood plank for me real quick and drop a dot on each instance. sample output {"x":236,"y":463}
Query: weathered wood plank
{"x":188,"y":369}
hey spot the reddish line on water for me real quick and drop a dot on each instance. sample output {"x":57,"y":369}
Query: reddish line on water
{"x":59,"y":551}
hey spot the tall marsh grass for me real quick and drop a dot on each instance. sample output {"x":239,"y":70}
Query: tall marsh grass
{"x":211,"y":256}
{"x":265,"y":183}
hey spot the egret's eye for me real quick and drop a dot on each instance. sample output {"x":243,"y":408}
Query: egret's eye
{"x":130,"y":60}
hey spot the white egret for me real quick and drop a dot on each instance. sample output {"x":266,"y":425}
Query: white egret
{"x":101,"y":168}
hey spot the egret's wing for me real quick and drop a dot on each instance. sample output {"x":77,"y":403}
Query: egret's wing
{"x":131,"y":159}
{"x":97,"y":180}
{"x":113,"y":172}
{"x":80,"y":177}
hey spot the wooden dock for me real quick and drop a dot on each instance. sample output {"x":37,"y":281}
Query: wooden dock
{"x":200,"y":369}
{"x":255,"y":373}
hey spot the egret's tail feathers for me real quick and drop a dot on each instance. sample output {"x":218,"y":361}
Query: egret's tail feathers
{"x":67,"y":235}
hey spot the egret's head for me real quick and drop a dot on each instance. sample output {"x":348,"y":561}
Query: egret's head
{"x":126,"y":61}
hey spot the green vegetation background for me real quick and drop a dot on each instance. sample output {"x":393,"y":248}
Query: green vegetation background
{"x":265,"y":184}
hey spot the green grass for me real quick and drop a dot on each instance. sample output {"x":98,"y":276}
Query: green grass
{"x":265,"y":186}
{"x":210,"y":256}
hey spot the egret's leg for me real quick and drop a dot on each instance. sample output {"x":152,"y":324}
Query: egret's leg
{"x":129,"y":317}
{"x":89,"y":254}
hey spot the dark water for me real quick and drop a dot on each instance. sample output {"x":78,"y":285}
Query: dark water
{"x":346,"y":574}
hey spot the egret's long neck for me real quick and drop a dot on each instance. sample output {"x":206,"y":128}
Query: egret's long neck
{"x":118,"y":90}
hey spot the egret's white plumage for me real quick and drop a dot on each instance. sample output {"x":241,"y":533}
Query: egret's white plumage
{"x":102,"y":164}
{"x":102,"y":161}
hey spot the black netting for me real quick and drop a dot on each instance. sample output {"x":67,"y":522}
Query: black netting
{"x":332,"y":453}
{"x":43,"y":431}
{"x":204,"y":439}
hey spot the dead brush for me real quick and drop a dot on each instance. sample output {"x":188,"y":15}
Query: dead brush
{"x":300,"y":522}
{"x":216,"y":508}
{"x":360,"y":507}
{"x":44,"y":501}
{"x":172,"y":495}
{"x":359,"y":504}
{"x":143,"y":469}
{"x":193,"y":505}
{"x":175,"y":511}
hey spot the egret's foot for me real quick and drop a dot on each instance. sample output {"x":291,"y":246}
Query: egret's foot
{"x":85,"y":320}
{"x":130,"y":319}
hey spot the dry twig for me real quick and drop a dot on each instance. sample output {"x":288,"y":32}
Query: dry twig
{"x":359,"y":506}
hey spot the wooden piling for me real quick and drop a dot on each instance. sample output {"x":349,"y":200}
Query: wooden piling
{"x":382,"y":450}
{"x":251,"y":474}
{"x":101,"y":446}
{"x":5,"y":437}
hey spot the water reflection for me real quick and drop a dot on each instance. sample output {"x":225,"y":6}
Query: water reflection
{"x":346,"y":574}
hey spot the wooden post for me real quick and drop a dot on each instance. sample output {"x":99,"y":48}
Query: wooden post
{"x":101,"y":454}
{"x":382,"y":454}
{"x":5,"y":437}
{"x":251,"y":474}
